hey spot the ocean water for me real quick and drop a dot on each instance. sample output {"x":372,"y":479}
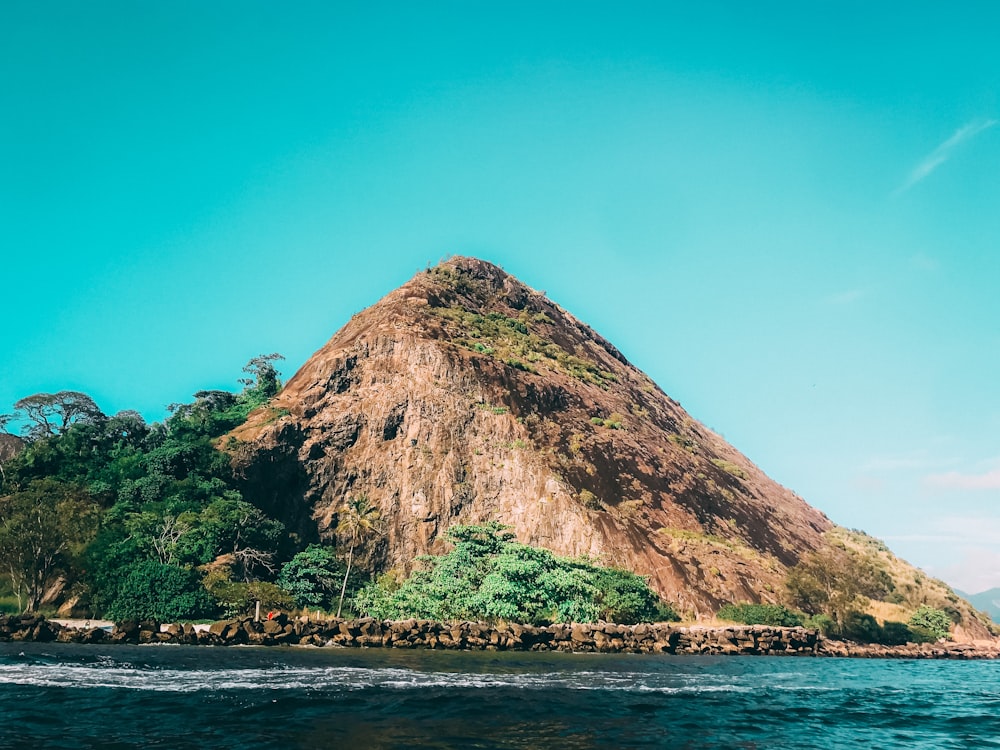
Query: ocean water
{"x":73,"y":696}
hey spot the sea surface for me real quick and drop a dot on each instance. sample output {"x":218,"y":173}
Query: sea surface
{"x":76,"y":696}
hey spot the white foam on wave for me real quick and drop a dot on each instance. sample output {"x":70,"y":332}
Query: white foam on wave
{"x":118,"y":675}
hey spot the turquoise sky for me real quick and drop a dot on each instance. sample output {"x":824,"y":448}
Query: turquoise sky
{"x":788,"y":214}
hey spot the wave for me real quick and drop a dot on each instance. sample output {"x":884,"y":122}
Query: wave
{"x":105,"y":672}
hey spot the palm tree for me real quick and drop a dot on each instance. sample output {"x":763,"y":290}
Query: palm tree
{"x":358,"y":518}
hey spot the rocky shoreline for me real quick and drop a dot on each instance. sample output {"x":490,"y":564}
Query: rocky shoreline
{"x":643,"y":638}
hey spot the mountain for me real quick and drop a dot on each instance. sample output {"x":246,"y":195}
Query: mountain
{"x":985,"y":601}
{"x":465,"y":396}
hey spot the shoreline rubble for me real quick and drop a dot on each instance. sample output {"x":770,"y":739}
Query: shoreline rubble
{"x":642,"y":638}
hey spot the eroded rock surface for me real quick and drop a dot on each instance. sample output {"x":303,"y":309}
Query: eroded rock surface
{"x":464,"y":396}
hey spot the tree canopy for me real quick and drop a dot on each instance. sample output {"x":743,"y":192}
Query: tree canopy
{"x":114,"y":507}
{"x":489,"y":575}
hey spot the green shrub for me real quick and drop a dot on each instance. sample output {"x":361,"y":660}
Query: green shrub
{"x":614,"y":422}
{"x":155,"y":591}
{"x":760,"y":614}
{"x":490,"y":576}
{"x":920,"y":634}
{"x":665,"y":612}
{"x":823,"y":623}
{"x":896,"y":633}
{"x":864,"y":628}
{"x":861,"y":627}
{"x":935,"y":621}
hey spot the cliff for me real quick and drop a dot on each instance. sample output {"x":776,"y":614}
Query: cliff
{"x":465,"y":396}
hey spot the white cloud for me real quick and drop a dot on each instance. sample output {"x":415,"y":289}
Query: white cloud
{"x":978,"y":570}
{"x":943,"y":152}
{"x":915,"y":460}
{"x":954,"y":480}
{"x":963,"y":550}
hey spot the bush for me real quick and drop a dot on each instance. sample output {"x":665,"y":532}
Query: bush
{"x":896,"y":633}
{"x":490,"y":576}
{"x":861,"y":627}
{"x":823,"y":623}
{"x":155,"y":591}
{"x":760,"y":614}
{"x":665,"y":612}
{"x":920,"y":634}
{"x":313,"y":577}
{"x":935,"y":621}
{"x":864,"y":628}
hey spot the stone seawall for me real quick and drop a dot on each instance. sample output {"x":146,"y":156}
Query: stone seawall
{"x":644,"y":638}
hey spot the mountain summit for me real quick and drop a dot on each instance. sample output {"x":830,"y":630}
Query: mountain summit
{"x":465,"y":396}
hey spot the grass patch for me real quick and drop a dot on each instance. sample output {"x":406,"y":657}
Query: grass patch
{"x":730,"y":468}
{"x":274,"y":414}
{"x":492,"y":408}
{"x":589,"y":500}
{"x":712,"y":540}
{"x":614,"y":422}
{"x":511,"y":340}
{"x":682,"y":441}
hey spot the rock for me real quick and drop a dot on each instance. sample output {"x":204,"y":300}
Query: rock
{"x":403,"y":406}
{"x":126,"y":631}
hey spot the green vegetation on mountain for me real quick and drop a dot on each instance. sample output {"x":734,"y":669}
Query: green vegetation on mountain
{"x":760,"y":614}
{"x":490,"y":576}
{"x":128,"y":520}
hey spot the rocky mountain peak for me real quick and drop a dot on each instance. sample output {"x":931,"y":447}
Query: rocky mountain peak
{"x":465,"y":396}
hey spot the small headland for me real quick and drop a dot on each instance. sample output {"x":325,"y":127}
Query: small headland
{"x":642,"y":638}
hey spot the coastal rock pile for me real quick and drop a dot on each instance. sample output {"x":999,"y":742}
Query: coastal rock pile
{"x":410,"y":634}
{"x":942,"y":650}
{"x":644,"y":638}
{"x":27,"y":628}
{"x":479,"y":636}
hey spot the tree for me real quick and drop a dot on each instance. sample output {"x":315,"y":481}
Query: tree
{"x":10,"y":447}
{"x":265,"y":380}
{"x":832,"y":581}
{"x":311,"y":577}
{"x":489,"y":575}
{"x":155,"y":591}
{"x":232,"y":527}
{"x":934,"y":621}
{"x":52,"y":414}
{"x":43,"y":529}
{"x":357,"y":519}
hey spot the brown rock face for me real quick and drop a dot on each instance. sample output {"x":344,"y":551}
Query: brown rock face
{"x":10,"y":446}
{"x":464,"y":397}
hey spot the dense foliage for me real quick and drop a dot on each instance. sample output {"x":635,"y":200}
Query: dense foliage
{"x":833,"y":581}
{"x":128,"y":518}
{"x":132,"y":520}
{"x":934,"y":622}
{"x":760,"y":614}
{"x":313,"y":576}
{"x":490,"y":576}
